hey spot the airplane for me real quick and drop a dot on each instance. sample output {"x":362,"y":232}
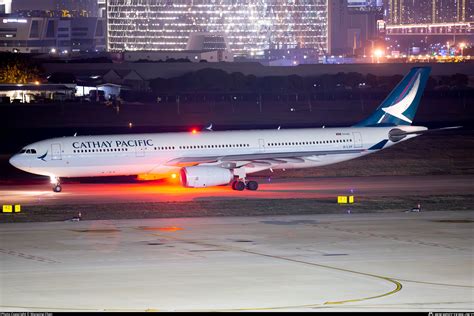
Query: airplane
{"x":215,"y":158}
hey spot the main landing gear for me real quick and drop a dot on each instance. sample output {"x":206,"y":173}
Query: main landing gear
{"x":56,"y":184}
{"x":240,"y":185}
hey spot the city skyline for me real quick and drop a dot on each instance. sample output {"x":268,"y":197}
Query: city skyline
{"x":306,"y":30}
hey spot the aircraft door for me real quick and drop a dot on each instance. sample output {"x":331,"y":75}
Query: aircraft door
{"x":56,"y":151}
{"x":261,"y":145}
{"x":357,"y":139}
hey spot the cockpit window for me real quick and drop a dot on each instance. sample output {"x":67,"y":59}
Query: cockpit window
{"x":28,"y":151}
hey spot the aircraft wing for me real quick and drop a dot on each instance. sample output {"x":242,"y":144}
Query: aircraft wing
{"x":258,"y":158}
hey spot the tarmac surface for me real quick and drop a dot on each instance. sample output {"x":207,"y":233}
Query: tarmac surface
{"x":303,"y":188}
{"x":352,"y":262}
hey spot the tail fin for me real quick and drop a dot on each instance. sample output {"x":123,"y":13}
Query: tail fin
{"x":400,"y":106}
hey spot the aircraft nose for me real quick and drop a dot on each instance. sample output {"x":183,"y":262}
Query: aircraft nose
{"x":14,"y":161}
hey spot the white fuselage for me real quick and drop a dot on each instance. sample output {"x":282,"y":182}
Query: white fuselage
{"x":142,"y":154}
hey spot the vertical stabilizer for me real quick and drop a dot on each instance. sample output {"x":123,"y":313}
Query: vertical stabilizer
{"x":399,"y":108}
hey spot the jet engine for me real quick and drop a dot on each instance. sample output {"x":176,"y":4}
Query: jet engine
{"x":205,"y":176}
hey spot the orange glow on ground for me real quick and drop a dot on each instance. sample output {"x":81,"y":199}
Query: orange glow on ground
{"x":165,"y":191}
{"x":162,"y":229}
{"x":158,"y":177}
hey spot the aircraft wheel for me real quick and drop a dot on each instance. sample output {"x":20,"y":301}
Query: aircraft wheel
{"x":252,"y":185}
{"x":238,"y":186}
{"x":57,"y":188}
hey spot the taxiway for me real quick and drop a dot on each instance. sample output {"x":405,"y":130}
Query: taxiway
{"x":384,"y":262}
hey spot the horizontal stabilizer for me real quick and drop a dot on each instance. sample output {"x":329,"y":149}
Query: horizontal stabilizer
{"x":397,"y":134}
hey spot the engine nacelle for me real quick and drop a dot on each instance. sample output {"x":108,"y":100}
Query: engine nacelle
{"x":205,"y":176}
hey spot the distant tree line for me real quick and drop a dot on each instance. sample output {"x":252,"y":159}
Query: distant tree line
{"x":216,"y":80}
{"x":19,"y":68}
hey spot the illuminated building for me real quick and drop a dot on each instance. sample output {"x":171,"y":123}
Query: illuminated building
{"x":57,"y":8}
{"x":5,"y":6}
{"x":251,"y":26}
{"x":364,"y":4}
{"x":58,"y":36}
{"x":428,"y":11}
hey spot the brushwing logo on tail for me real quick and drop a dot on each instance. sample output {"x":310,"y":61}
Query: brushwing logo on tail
{"x":401,"y":106}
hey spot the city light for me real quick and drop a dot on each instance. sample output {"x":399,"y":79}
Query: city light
{"x":378,"y":53}
{"x":15,"y":21}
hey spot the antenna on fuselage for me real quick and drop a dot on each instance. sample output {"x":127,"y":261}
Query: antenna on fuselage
{"x":209,"y":128}
{"x":279,"y":126}
{"x":75,"y":134}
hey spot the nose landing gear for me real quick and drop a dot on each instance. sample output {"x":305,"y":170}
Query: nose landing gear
{"x":57,"y":188}
{"x":56,"y":184}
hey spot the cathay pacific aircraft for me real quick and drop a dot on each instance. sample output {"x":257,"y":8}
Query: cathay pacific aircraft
{"x":226,"y":157}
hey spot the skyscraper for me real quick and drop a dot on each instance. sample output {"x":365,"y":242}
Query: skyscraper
{"x":251,"y":26}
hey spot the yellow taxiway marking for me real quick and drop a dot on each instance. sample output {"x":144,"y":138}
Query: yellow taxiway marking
{"x":397,"y":288}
